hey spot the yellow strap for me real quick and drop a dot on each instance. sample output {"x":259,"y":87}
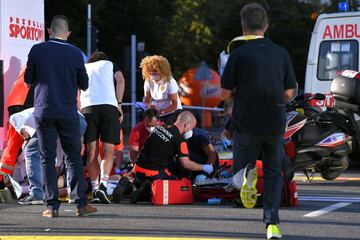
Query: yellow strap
{"x":242,"y":38}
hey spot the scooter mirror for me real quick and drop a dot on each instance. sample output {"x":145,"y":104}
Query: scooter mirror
{"x":318,"y":96}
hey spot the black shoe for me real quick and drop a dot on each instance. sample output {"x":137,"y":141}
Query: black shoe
{"x":141,"y":192}
{"x":13,"y":186}
{"x":2,"y":184}
{"x":120,"y":189}
{"x":95,"y":200}
{"x":102,"y":194}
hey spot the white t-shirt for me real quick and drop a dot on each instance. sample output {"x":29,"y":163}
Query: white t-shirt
{"x":159,"y":92}
{"x":101,"y":85}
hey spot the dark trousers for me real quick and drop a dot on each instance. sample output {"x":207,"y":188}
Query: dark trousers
{"x":247,"y":148}
{"x":68,"y":130}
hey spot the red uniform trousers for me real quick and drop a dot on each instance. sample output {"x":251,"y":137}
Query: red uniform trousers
{"x":10,"y":153}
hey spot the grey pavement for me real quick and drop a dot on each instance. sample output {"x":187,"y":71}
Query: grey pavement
{"x":201,"y":220}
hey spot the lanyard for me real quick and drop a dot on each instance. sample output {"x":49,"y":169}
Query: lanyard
{"x":242,"y":38}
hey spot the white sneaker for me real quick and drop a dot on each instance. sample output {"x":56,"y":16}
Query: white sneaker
{"x":13,"y":186}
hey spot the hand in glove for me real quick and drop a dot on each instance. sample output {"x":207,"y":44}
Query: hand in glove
{"x":208,"y":168}
{"x":226,"y":143}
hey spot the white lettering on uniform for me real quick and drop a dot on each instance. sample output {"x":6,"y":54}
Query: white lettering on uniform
{"x":161,"y":135}
{"x":165,"y":132}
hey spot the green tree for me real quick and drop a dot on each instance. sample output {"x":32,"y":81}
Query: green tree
{"x":186,"y":31}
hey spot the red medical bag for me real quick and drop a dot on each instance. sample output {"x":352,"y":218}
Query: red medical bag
{"x":171,"y":192}
{"x":289,"y":196}
{"x":203,"y":193}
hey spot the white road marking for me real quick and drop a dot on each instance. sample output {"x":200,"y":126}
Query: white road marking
{"x":327,"y":210}
{"x":329,"y":199}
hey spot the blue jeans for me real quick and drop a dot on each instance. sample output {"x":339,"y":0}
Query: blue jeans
{"x":247,"y":148}
{"x":68,"y":130}
{"x":32,"y":161}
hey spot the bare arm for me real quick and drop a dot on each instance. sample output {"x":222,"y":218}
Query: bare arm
{"x":173,"y":103}
{"x":188,"y":164}
{"x":225,"y":134}
{"x":289,"y":94}
{"x":120,"y":85}
{"x":147,"y":98}
{"x":24,"y":134}
{"x":210,"y":153}
{"x":78,"y":103}
{"x":225,"y":93}
{"x":134,"y":153}
{"x":120,"y":88}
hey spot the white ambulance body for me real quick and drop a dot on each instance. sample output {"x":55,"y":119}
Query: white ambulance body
{"x":334,"y":46}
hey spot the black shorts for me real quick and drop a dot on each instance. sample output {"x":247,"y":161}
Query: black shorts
{"x":102,"y":123}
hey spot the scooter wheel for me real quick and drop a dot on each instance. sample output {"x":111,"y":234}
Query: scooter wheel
{"x":334,"y":172}
{"x":331,"y":174}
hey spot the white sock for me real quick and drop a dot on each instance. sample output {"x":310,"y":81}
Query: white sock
{"x":94,"y":185}
{"x":104,"y":179}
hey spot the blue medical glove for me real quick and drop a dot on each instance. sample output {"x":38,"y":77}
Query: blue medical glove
{"x":208,"y":168}
{"x":226,"y":143}
{"x":225,"y":174}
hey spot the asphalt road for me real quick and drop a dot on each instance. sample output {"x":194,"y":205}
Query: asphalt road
{"x":327,"y":210}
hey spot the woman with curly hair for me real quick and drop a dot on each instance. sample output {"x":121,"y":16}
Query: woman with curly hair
{"x":160,"y":88}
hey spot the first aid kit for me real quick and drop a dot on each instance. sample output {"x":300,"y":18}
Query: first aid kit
{"x":171,"y":192}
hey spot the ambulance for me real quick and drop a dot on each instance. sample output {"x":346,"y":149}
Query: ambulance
{"x":334,"y":46}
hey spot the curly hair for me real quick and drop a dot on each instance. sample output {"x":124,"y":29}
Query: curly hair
{"x":160,"y":63}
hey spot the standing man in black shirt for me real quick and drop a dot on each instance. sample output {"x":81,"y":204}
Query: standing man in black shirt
{"x":262,"y":75}
{"x":56,"y":69}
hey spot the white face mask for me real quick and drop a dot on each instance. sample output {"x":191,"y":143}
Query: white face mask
{"x":150,"y":129}
{"x":188,"y":134}
{"x":154,"y":77}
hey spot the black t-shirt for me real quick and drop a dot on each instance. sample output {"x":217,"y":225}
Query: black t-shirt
{"x":260,"y":71}
{"x":196,"y":143}
{"x":162,"y":145}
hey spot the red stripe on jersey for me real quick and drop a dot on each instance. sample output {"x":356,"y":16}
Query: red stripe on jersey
{"x":183,"y":148}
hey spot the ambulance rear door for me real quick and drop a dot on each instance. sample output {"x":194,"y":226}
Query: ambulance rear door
{"x":334,"y":46}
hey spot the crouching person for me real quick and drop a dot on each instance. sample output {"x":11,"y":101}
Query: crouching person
{"x":201,"y":150}
{"x":24,"y":123}
{"x":162,"y":145}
